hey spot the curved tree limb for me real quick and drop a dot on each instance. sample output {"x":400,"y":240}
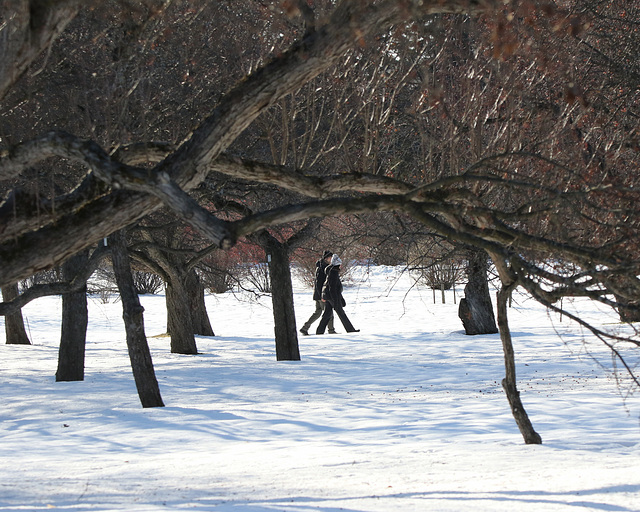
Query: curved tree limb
{"x":30,"y":252}
{"x":320,"y":187}
{"x":58,"y":288}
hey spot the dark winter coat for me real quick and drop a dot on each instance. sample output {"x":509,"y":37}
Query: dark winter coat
{"x":321,"y":266}
{"x":332,"y":289}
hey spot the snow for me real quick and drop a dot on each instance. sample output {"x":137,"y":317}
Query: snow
{"x":406,"y":415}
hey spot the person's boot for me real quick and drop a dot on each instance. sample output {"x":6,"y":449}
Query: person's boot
{"x":304,"y":331}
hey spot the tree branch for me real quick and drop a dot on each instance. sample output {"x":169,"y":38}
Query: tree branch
{"x":351,"y":21}
{"x":58,"y":288}
{"x":31,"y":28}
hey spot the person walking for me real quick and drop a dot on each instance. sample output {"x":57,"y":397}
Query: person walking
{"x":321,"y":266}
{"x":333,"y":299}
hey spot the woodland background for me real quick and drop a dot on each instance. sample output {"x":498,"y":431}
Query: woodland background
{"x":201,"y":143}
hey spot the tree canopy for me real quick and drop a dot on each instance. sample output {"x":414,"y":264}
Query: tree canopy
{"x":505,"y":126}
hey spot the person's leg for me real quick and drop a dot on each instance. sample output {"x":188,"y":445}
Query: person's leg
{"x":316,"y":314}
{"x":348,"y":326}
{"x":332,"y":329}
{"x":326,"y":316}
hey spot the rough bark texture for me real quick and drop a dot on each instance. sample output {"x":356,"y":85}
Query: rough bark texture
{"x":509,"y":382}
{"x":199,"y":316}
{"x":179,"y":322}
{"x":287,"y":348}
{"x":186,"y":311}
{"x":75,"y":317}
{"x":14,"y":323}
{"x":476,"y":310}
{"x":139,"y":354}
{"x":625,"y":291}
{"x":629,"y":311}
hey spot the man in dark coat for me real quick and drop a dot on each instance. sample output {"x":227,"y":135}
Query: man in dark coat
{"x":321,"y":266}
{"x":333,"y":299}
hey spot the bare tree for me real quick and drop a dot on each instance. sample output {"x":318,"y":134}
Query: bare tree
{"x":138,"y":192}
{"x":522,"y":172}
{"x":14,"y":329}
{"x":75,"y":318}
{"x":169,"y":251}
{"x":476,"y":310}
{"x":139,"y":354}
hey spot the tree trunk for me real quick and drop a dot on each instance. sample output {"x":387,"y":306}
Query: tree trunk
{"x":287,"y":348}
{"x":626,"y":289}
{"x":629,"y":311}
{"x":139,"y":354}
{"x":13,"y":323}
{"x":199,"y":316}
{"x":184,"y":295}
{"x":509,"y":382}
{"x":179,"y":320}
{"x":476,"y":310}
{"x":75,"y":317}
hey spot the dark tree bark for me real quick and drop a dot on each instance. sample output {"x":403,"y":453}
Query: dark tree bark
{"x":199,"y":316}
{"x":184,"y":294}
{"x":287,"y":348}
{"x":75,"y":317}
{"x":179,"y":319}
{"x":476,"y":310}
{"x":629,"y":311}
{"x":139,"y":354}
{"x":14,"y":323}
{"x":509,"y":382}
{"x":625,"y":291}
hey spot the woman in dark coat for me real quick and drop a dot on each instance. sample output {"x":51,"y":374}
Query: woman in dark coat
{"x":321,"y":266}
{"x":332,"y":296}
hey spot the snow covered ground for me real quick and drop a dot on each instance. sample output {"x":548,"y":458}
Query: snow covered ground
{"x":407,"y":415}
